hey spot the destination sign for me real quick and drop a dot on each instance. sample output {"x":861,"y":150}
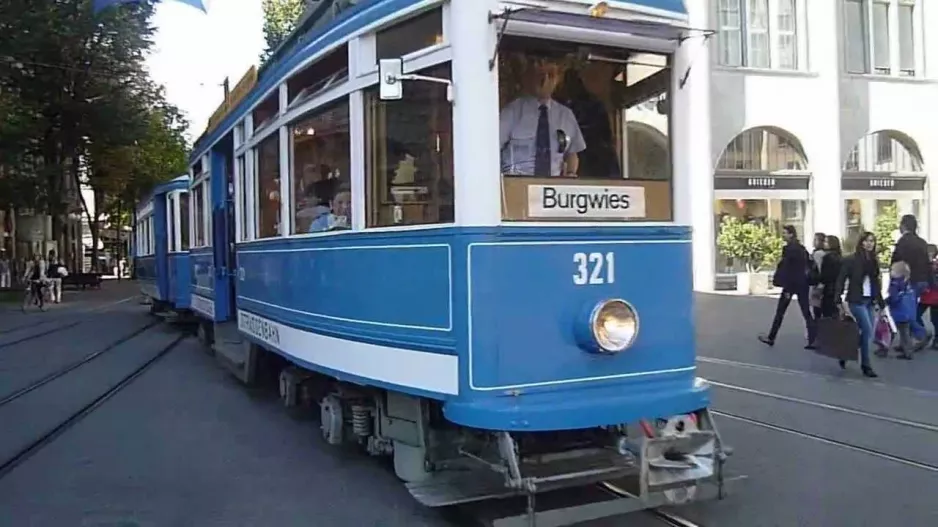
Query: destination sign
{"x":584,"y":201}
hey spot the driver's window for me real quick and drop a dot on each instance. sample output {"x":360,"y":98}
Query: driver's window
{"x":583,"y":132}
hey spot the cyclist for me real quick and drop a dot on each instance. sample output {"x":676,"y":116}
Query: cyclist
{"x":35,"y":277}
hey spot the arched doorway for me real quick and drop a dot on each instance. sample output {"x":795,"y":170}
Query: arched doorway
{"x":762,"y":176}
{"x":883,"y":178}
{"x":648,"y":152}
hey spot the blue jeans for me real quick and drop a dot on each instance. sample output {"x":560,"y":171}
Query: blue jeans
{"x":863,"y":314}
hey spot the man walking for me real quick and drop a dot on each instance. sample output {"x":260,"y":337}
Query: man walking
{"x":792,"y":276}
{"x":913,"y":250}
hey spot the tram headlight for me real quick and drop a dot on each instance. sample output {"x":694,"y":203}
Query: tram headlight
{"x":613,"y":326}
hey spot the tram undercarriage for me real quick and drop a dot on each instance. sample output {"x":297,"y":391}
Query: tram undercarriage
{"x":640,"y":466}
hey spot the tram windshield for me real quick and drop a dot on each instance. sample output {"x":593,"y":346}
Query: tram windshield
{"x":583,"y":132}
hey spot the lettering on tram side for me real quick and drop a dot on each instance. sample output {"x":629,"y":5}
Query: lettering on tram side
{"x":259,"y":328}
{"x":582,"y":201}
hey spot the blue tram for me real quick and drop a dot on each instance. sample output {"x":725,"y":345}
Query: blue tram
{"x":162,"y":258}
{"x":468,"y":243}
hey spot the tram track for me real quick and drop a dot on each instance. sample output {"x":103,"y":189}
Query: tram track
{"x":918,"y":425}
{"x":924,"y":429}
{"x":70,"y":320}
{"x":44,"y":415}
{"x":865,"y":383}
{"x":878,"y":453}
{"x":35,"y":385}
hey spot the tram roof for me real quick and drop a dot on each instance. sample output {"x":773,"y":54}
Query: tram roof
{"x":309,"y":38}
{"x":177,"y":183}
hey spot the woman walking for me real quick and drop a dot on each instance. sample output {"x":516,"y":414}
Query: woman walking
{"x":830,"y":271}
{"x":861,"y":275}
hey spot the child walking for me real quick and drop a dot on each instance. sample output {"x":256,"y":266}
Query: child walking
{"x":903,"y":306}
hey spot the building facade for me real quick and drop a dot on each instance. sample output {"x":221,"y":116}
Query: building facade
{"x":819,"y":118}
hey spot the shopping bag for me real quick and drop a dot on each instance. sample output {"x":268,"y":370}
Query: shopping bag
{"x":884,"y":332}
{"x":838,"y":338}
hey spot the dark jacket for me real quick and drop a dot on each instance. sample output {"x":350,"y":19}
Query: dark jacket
{"x":792,"y":271}
{"x":852,"y":272}
{"x":913,"y":250}
{"x":830,"y":272}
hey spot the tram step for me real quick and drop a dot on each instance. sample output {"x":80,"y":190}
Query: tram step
{"x":549,"y":472}
{"x":579,"y":466}
{"x":453,"y":488}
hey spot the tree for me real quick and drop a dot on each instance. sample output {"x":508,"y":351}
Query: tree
{"x":280,"y":18}
{"x":79,"y":105}
{"x":884,"y":228}
{"x":753,"y":244}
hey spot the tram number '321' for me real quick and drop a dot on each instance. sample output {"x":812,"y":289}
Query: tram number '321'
{"x":594,"y":268}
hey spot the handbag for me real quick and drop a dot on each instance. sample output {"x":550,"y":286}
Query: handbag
{"x":838,"y":338}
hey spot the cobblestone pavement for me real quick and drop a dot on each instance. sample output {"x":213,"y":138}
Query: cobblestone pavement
{"x":185,"y":445}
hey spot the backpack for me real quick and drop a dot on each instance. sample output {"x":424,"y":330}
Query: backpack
{"x":813,"y":271}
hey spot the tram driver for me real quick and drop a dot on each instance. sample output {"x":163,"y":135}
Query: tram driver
{"x":539,"y":136}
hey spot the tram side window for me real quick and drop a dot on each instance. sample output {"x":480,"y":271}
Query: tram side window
{"x":242,"y":173}
{"x":419,"y":32}
{"x":199,"y":214}
{"x":266,"y":112}
{"x":184,"y":221}
{"x":267,"y":168}
{"x":172,"y":222}
{"x":409,"y":155}
{"x":321,"y":162}
{"x":593,"y":113}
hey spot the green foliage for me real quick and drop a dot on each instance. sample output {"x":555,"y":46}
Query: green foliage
{"x":280,"y":17}
{"x":884,"y":228}
{"x":753,"y":244}
{"x":78,"y":104}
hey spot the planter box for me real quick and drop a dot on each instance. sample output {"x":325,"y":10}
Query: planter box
{"x":753,"y":283}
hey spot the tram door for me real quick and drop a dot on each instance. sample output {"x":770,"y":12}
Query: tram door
{"x":231,"y":262}
{"x":221,"y":239}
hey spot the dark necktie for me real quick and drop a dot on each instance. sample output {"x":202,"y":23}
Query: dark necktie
{"x":542,"y":145}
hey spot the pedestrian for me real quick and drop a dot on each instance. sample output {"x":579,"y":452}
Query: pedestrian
{"x":5,"y":276}
{"x":913,"y":250}
{"x":53,"y":271}
{"x":34,"y":276}
{"x":830,"y":271}
{"x":861,"y":276}
{"x":816,"y":287}
{"x":903,"y":305}
{"x":792,"y":276}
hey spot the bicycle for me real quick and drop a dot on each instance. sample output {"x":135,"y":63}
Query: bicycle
{"x":35,"y":294}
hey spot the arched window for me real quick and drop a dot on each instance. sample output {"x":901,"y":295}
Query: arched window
{"x":762,"y":177}
{"x":648,"y":152}
{"x":883,"y":179}
{"x":763,"y":149}
{"x":886,"y":152}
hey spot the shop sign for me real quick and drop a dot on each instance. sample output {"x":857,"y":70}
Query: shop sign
{"x":887,"y":184}
{"x":761,"y":182}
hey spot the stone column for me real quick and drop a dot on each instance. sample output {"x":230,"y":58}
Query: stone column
{"x":690,"y":141}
